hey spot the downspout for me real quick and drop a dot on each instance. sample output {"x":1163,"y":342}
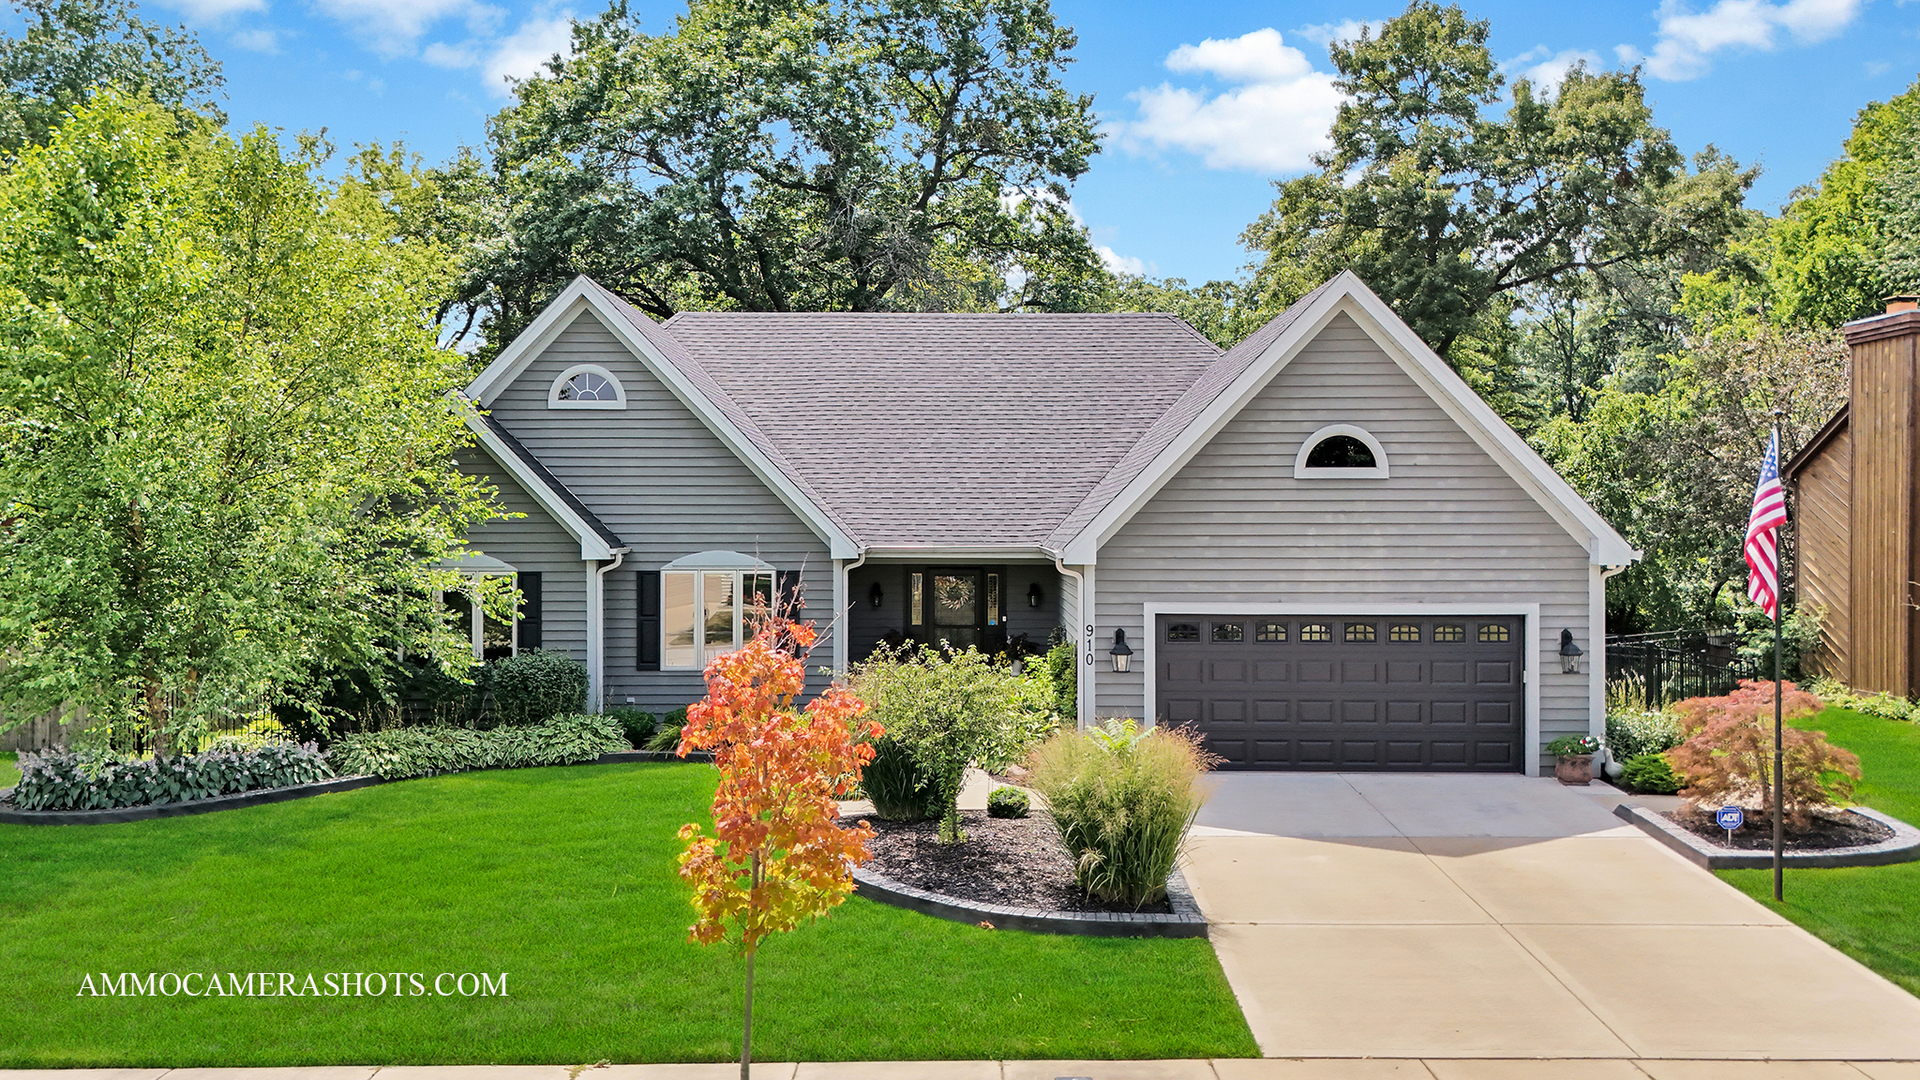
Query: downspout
{"x":1081,"y":634}
{"x":1597,"y":651}
{"x":844,"y":613}
{"x":597,"y":652}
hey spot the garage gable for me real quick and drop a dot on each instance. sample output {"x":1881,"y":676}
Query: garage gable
{"x":1247,"y":370}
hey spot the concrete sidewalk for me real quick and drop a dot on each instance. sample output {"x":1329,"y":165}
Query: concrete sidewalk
{"x":1220,"y":1069}
{"x":1468,"y":917}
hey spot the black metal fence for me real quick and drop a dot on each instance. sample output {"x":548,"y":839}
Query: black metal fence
{"x":1654,"y":670}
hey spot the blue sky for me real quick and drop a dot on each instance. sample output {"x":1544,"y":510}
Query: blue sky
{"x":1204,"y":104}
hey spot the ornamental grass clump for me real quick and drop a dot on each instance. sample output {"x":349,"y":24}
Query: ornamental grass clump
{"x":1122,"y":801}
{"x":1728,"y":754}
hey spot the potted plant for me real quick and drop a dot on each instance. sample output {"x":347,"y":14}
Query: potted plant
{"x":1573,"y":758}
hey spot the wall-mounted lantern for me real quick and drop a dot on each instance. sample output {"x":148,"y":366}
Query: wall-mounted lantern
{"x":1034,"y":595}
{"x":1569,"y":654}
{"x":1121,"y":651}
{"x":876,"y":595}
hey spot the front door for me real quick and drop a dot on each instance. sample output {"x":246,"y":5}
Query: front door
{"x":954,"y":602}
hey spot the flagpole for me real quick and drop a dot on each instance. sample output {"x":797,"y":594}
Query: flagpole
{"x":1779,"y":752}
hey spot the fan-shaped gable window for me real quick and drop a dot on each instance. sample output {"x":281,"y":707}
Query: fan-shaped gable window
{"x":586,"y":386}
{"x":1340,"y":451}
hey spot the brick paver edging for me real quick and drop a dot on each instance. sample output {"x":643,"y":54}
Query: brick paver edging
{"x":12,"y":816}
{"x":1902,"y":846}
{"x":1185,"y":921}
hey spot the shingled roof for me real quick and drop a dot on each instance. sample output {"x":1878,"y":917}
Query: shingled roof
{"x":948,"y":429}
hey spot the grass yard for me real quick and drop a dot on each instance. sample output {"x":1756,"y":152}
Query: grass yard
{"x":563,"y":878}
{"x":9,"y":769}
{"x":1871,"y":913}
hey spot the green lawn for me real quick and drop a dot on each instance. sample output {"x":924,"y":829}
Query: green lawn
{"x":562,"y":878}
{"x":9,"y":769}
{"x":1871,"y":913}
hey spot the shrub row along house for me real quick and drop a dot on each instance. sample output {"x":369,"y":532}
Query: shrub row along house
{"x":1319,"y":546}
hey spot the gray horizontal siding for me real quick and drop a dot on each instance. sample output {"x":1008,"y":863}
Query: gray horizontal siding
{"x":1447,"y":526}
{"x":535,"y":542}
{"x":668,"y":486}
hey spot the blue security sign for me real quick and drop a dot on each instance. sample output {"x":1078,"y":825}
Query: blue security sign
{"x":1730,"y":817}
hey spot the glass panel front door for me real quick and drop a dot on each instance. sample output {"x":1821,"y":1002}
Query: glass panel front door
{"x":956,"y":608}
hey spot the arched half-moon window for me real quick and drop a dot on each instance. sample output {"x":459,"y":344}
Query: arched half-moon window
{"x":1340,"y":452}
{"x":586,"y":386}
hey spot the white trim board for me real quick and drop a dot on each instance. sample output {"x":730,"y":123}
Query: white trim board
{"x":1530,"y":658}
{"x":1347,"y":294}
{"x":581,"y":295}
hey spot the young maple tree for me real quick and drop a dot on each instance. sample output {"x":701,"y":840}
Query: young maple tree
{"x":778,"y":854}
{"x":1728,"y":752}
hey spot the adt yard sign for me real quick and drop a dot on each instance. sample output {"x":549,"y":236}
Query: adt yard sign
{"x":1730,"y":817}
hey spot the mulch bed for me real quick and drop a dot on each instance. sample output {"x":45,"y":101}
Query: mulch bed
{"x":1824,"y":833}
{"x":1015,"y":861}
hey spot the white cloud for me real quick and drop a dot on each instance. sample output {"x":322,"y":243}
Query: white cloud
{"x":215,"y":12}
{"x":260,"y":41}
{"x":441,"y":54}
{"x":1688,"y":39}
{"x":524,"y":52}
{"x":1345,"y":31}
{"x":390,"y":27}
{"x":1546,"y":70}
{"x":1273,"y":121}
{"x":1117,"y":263}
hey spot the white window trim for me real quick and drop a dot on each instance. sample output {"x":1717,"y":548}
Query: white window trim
{"x":1302,"y":472}
{"x":700,"y":564}
{"x":477,"y":624}
{"x":554,"y":401}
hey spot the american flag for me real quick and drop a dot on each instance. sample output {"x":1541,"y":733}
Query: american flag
{"x":1763,"y":533}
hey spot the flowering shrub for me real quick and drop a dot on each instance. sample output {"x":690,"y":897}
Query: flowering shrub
{"x":1569,"y":745}
{"x":1728,"y":754}
{"x":62,"y":779}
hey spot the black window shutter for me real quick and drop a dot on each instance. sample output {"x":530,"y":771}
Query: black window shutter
{"x":529,"y":609}
{"x":786,"y":586}
{"x":647,"y":651}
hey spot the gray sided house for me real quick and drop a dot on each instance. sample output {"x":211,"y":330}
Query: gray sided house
{"x":1319,"y":547}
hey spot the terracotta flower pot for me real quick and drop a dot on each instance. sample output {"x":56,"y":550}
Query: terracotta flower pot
{"x":1574,"y":769}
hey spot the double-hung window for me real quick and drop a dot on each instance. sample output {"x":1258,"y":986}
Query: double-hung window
{"x":708,"y":612}
{"x":492,"y":635}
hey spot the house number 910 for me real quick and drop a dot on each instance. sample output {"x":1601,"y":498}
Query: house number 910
{"x":1089,"y":649}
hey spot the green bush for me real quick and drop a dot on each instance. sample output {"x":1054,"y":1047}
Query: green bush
{"x":1650,"y":774}
{"x":1633,"y":732}
{"x":898,"y":790}
{"x":947,"y":710}
{"x":1884,"y":706}
{"x":637,"y":723}
{"x":666,"y":737}
{"x":1059,"y":677}
{"x":1122,"y":802}
{"x":406,"y":752}
{"x":1007,"y":802}
{"x":534,"y":687}
{"x":68,"y":780}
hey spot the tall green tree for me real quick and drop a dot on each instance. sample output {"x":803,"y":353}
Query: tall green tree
{"x":1445,"y":208}
{"x":1853,"y":237}
{"x":226,"y":455}
{"x":786,"y":155}
{"x":70,"y":48}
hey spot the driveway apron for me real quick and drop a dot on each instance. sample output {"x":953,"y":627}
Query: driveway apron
{"x":1434,"y":916}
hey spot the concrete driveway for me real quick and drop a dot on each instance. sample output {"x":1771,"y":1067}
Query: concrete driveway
{"x":1422,"y":916}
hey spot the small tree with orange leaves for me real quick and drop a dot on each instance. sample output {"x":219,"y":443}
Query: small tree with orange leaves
{"x":778,"y":855}
{"x":1728,"y":753}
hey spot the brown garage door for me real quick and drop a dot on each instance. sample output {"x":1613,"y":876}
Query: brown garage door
{"x":1347,"y":692}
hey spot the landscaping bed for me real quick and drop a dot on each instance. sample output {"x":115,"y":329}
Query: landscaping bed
{"x":1015,"y":861}
{"x":1823,"y":832}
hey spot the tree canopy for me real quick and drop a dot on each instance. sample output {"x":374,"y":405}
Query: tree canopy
{"x":785,"y":155}
{"x":70,"y":48}
{"x":225,"y":452}
{"x":1444,"y":209}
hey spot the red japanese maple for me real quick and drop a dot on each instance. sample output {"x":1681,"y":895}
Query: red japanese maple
{"x":777,"y":855}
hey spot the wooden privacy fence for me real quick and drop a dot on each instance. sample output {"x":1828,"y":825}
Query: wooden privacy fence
{"x":1654,"y":670}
